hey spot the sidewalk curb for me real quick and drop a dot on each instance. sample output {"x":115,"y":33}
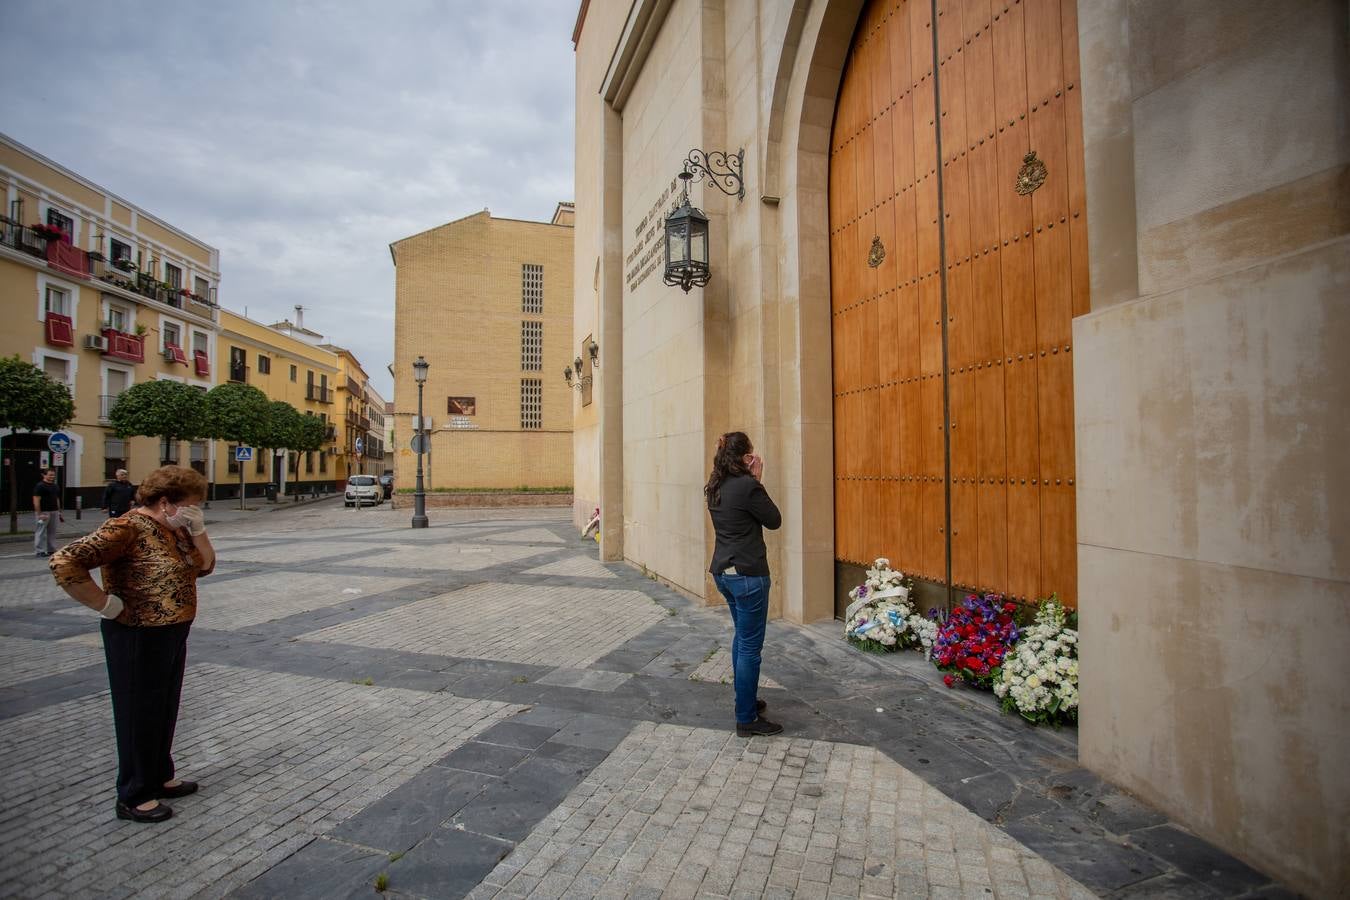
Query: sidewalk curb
{"x":94,"y":517}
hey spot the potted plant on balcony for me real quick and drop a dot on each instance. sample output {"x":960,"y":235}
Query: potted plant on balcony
{"x":50,"y":232}
{"x":125,"y":264}
{"x":140,"y":330}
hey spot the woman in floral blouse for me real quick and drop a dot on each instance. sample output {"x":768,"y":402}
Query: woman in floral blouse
{"x":151,"y":559}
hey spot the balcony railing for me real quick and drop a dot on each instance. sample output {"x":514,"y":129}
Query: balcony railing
{"x":122,"y":345}
{"x":123,"y":274}
{"x":239,"y":373}
{"x":317,"y":394}
{"x":352,"y":387}
{"x":330,"y":433}
{"x":105,"y":404}
{"x":362,"y":423}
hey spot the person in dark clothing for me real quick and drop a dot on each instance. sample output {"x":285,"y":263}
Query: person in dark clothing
{"x":119,"y":496}
{"x":741,"y":509}
{"x":46,"y":512}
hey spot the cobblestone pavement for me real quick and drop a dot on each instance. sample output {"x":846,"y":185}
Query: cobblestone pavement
{"x":484,"y":709}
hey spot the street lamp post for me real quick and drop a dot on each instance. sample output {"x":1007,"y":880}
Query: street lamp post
{"x":419,"y":519}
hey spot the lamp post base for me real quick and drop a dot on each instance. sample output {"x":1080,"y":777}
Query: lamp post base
{"x":420,"y":522}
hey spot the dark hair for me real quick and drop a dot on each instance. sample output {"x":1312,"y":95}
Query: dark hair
{"x":172,"y":483}
{"x":728,"y":461}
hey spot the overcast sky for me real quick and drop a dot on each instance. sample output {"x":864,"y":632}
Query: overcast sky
{"x":299,"y":137}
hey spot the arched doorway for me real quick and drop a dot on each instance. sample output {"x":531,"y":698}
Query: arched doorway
{"x":953,"y":289}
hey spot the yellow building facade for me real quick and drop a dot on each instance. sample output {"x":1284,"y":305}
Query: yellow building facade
{"x":357,"y":453}
{"x":100,"y":295}
{"x":292,"y":370}
{"x":488,"y":303}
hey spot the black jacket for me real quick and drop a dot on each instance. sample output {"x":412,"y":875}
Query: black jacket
{"x":743,"y":510}
{"x":118,"y":497}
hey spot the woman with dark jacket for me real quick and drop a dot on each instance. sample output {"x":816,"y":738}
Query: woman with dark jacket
{"x":741,"y":509}
{"x":151,"y":559}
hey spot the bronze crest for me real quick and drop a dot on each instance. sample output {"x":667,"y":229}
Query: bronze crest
{"x":1031,"y":175}
{"x":878,"y":253}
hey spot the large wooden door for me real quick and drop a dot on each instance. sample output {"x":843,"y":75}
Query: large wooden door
{"x":953,"y":288}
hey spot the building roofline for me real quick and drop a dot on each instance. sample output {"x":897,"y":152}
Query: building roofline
{"x":580,"y":24}
{"x":75,"y":176}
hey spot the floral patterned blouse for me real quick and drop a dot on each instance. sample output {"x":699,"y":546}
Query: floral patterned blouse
{"x":152,"y":568}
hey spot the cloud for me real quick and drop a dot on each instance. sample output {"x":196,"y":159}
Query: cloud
{"x":301,"y":138}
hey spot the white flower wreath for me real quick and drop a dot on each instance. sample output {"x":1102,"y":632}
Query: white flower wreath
{"x":880,"y":616}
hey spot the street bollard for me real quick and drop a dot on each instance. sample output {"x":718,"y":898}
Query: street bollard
{"x":79,"y":506}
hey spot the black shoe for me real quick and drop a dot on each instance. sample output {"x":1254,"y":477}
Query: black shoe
{"x":40,"y":554}
{"x":760,"y":706}
{"x":761,"y":726}
{"x":157,"y":813}
{"x":182,"y":789}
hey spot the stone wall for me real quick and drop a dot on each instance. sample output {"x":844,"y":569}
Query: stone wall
{"x":1212,"y":418}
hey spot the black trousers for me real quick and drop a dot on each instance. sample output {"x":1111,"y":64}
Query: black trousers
{"x":145,"y":673}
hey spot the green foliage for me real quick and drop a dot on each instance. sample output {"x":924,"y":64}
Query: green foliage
{"x":167,"y":409}
{"x":237,"y":412}
{"x":382,"y":882}
{"x":280,"y":426}
{"x":309,"y":434}
{"x":30,"y":400}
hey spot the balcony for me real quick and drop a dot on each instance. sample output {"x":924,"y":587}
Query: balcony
{"x":362,"y":424}
{"x":105,"y":404}
{"x":122,"y":345}
{"x":123,"y":274}
{"x":175,"y":354}
{"x":239,"y":373}
{"x":60,"y":330}
{"x":43,"y":242}
{"x":317,"y":394}
{"x":352,"y":387}
{"x":201,"y":363}
{"x":330,"y":433}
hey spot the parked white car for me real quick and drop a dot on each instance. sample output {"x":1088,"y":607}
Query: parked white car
{"x":364,"y":489}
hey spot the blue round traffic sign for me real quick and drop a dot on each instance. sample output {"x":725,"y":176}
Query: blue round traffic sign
{"x":58,"y":442}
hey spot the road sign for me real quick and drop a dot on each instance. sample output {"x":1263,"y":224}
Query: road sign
{"x":243,"y":454}
{"x":58,"y":442}
{"x":421,"y":443}
{"x":44,"y":459}
{"x":58,"y":459}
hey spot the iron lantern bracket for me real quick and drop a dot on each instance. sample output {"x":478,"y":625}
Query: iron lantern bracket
{"x":725,"y":171}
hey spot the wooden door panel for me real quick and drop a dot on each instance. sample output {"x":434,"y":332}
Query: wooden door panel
{"x":1011,"y":269}
{"x":965,"y":534}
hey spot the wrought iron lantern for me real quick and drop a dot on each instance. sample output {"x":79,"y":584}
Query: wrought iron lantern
{"x":687,"y":246}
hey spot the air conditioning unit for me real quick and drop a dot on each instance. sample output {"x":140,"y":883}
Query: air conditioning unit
{"x":96,"y":342}
{"x":169,"y":356}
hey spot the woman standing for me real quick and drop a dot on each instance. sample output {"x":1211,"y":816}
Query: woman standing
{"x":151,"y":559}
{"x":741,"y":509}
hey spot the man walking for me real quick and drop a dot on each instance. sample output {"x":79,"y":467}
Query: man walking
{"x":119,"y":495}
{"x":46,"y":510}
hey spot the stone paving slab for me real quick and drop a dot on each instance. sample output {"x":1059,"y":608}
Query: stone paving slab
{"x":717,"y":669}
{"x":526,"y":536}
{"x":286,"y":551}
{"x":454,"y":557}
{"x":692,"y":812}
{"x":282,"y":759}
{"x":25,"y":660}
{"x":573,"y":567}
{"x":527,"y":624}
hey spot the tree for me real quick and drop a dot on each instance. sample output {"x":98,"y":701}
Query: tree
{"x":309,"y":433}
{"x":169,"y":410}
{"x":237,"y":412}
{"x":31,"y":401}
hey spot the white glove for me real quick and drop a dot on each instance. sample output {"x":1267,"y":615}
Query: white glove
{"x":194,"y":518}
{"x":113,"y":608}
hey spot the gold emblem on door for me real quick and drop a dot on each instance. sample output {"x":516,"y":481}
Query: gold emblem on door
{"x":878,"y":253}
{"x":1031,"y":175}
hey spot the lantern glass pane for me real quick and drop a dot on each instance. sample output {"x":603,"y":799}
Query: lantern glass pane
{"x":699,"y":250}
{"x":676,"y":246}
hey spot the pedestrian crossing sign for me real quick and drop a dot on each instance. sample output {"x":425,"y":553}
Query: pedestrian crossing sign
{"x":243,"y":454}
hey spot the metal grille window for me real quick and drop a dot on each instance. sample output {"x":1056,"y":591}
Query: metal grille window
{"x":532,"y":346}
{"x":198,"y":456}
{"x":114,"y":456}
{"x":532,"y":288}
{"x":531,"y":403}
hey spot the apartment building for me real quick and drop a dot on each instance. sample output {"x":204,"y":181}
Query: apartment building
{"x":488,"y":303}
{"x":100,"y":294}
{"x":285,"y":367}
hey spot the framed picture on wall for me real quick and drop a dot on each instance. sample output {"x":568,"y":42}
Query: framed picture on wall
{"x":462,"y":406}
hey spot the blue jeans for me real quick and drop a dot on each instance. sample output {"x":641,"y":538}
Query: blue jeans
{"x":748,"y":597}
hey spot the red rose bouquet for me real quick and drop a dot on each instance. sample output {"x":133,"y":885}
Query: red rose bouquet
{"x":973,"y":639}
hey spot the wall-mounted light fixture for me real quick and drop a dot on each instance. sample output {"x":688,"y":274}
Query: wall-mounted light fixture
{"x":687,"y":263}
{"x":594,"y":350}
{"x":582,"y":379}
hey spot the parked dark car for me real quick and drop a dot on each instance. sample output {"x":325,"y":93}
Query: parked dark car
{"x":387,"y":482}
